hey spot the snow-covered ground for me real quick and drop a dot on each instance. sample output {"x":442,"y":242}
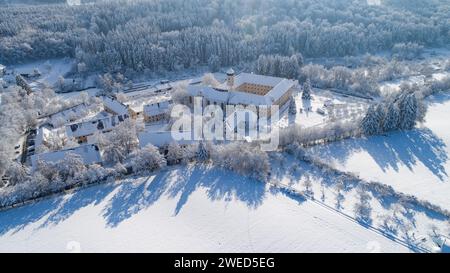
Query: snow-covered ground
{"x":415,"y":162}
{"x":49,"y":69}
{"x":410,"y":224}
{"x":436,"y":59}
{"x":185,"y":209}
{"x":340,"y":107}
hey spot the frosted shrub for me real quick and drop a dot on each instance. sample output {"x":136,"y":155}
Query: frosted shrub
{"x":147,"y":159}
{"x":244,"y":159}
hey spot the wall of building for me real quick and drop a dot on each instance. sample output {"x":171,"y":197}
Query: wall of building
{"x":257,"y":89}
{"x":154,"y":118}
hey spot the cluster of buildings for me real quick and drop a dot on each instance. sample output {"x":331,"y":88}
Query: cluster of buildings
{"x":246,"y":89}
{"x":79,"y":125}
{"x":242,"y":89}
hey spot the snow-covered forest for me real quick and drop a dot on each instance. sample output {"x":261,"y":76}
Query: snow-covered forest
{"x":140,"y":35}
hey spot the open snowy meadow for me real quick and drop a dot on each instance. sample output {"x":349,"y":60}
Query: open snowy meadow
{"x":185,"y":209}
{"x":415,"y":162}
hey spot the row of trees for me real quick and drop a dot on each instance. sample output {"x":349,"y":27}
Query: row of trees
{"x":340,"y":77}
{"x":51,"y":178}
{"x":400,"y":111}
{"x":279,"y":66}
{"x":139,"y":35}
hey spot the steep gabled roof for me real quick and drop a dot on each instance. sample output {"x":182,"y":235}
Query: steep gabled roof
{"x":89,"y":153}
{"x":96,"y":125}
{"x":156,"y":108}
{"x":114,"y":105}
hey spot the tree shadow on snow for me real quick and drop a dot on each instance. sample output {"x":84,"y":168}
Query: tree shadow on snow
{"x":18,"y":218}
{"x":79,"y":199}
{"x":133,"y":195}
{"x":179,"y":184}
{"x":398,"y":148}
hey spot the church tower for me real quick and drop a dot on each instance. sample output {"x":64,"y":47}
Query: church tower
{"x":230,"y":78}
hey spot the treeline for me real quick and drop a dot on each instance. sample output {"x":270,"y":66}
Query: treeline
{"x":140,"y":35}
{"x":402,"y":110}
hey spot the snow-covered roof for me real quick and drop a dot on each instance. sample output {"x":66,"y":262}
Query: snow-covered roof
{"x":114,"y":105}
{"x":256,"y":79}
{"x":280,"y":89}
{"x":68,"y":114}
{"x":138,"y":104}
{"x":209,"y":93}
{"x":230,"y":71}
{"x":162,"y":138}
{"x":44,"y":133}
{"x":234,"y":96}
{"x":89,"y":154}
{"x":94,"y":138}
{"x":97,"y":125}
{"x":156,"y":108}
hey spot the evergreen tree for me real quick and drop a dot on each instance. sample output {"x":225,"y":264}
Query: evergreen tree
{"x":392,"y":117}
{"x":214,"y":63}
{"x":292,"y":106}
{"x":408,"y":111}
{"x":306,"y":95}
{"x":371,"y":123}
{"x":202,"y":153}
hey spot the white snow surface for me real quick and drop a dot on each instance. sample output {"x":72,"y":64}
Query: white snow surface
{"x":414,"y":162}
{"x":184,"y":209}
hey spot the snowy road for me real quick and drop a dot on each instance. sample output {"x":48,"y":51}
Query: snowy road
{"x":186,"y":209}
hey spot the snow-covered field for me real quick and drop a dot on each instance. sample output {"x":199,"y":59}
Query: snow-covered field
{"x":342,"y":107}
{"x":49,"y":69}
{"x":185,"y":209}
{"x":415,"y":162}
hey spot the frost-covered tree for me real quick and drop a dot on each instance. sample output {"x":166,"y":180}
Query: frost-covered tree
{"x":180,"y":95}
{"x":362,"y":207}
{"x":214,"y":63}
{"x":179,"y":35}
{"x":81,"y":68}
{"x":147,"y":158}
{"x":391,"y":120}
{"x":120,"y":168}
{"x":124,"y":135}
{"x":202,"y":153}
{"x":306,"y":94}
{"x":244,"y":159}
{"x":280,"y":66}
{"x":175,"y":153}
{"x":308,"y":186}
{"x":408,"y":106}
{"x":372,"y":122}
{"x":72,"y":166}
{"x":48,"y":170}
{"x":209,"y":80}
{"x":17,"y":173}
{"x":61,"y":83}
{"x":292,"y":106}
{"x":407,"y":51}
{"x":113,"y":153}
